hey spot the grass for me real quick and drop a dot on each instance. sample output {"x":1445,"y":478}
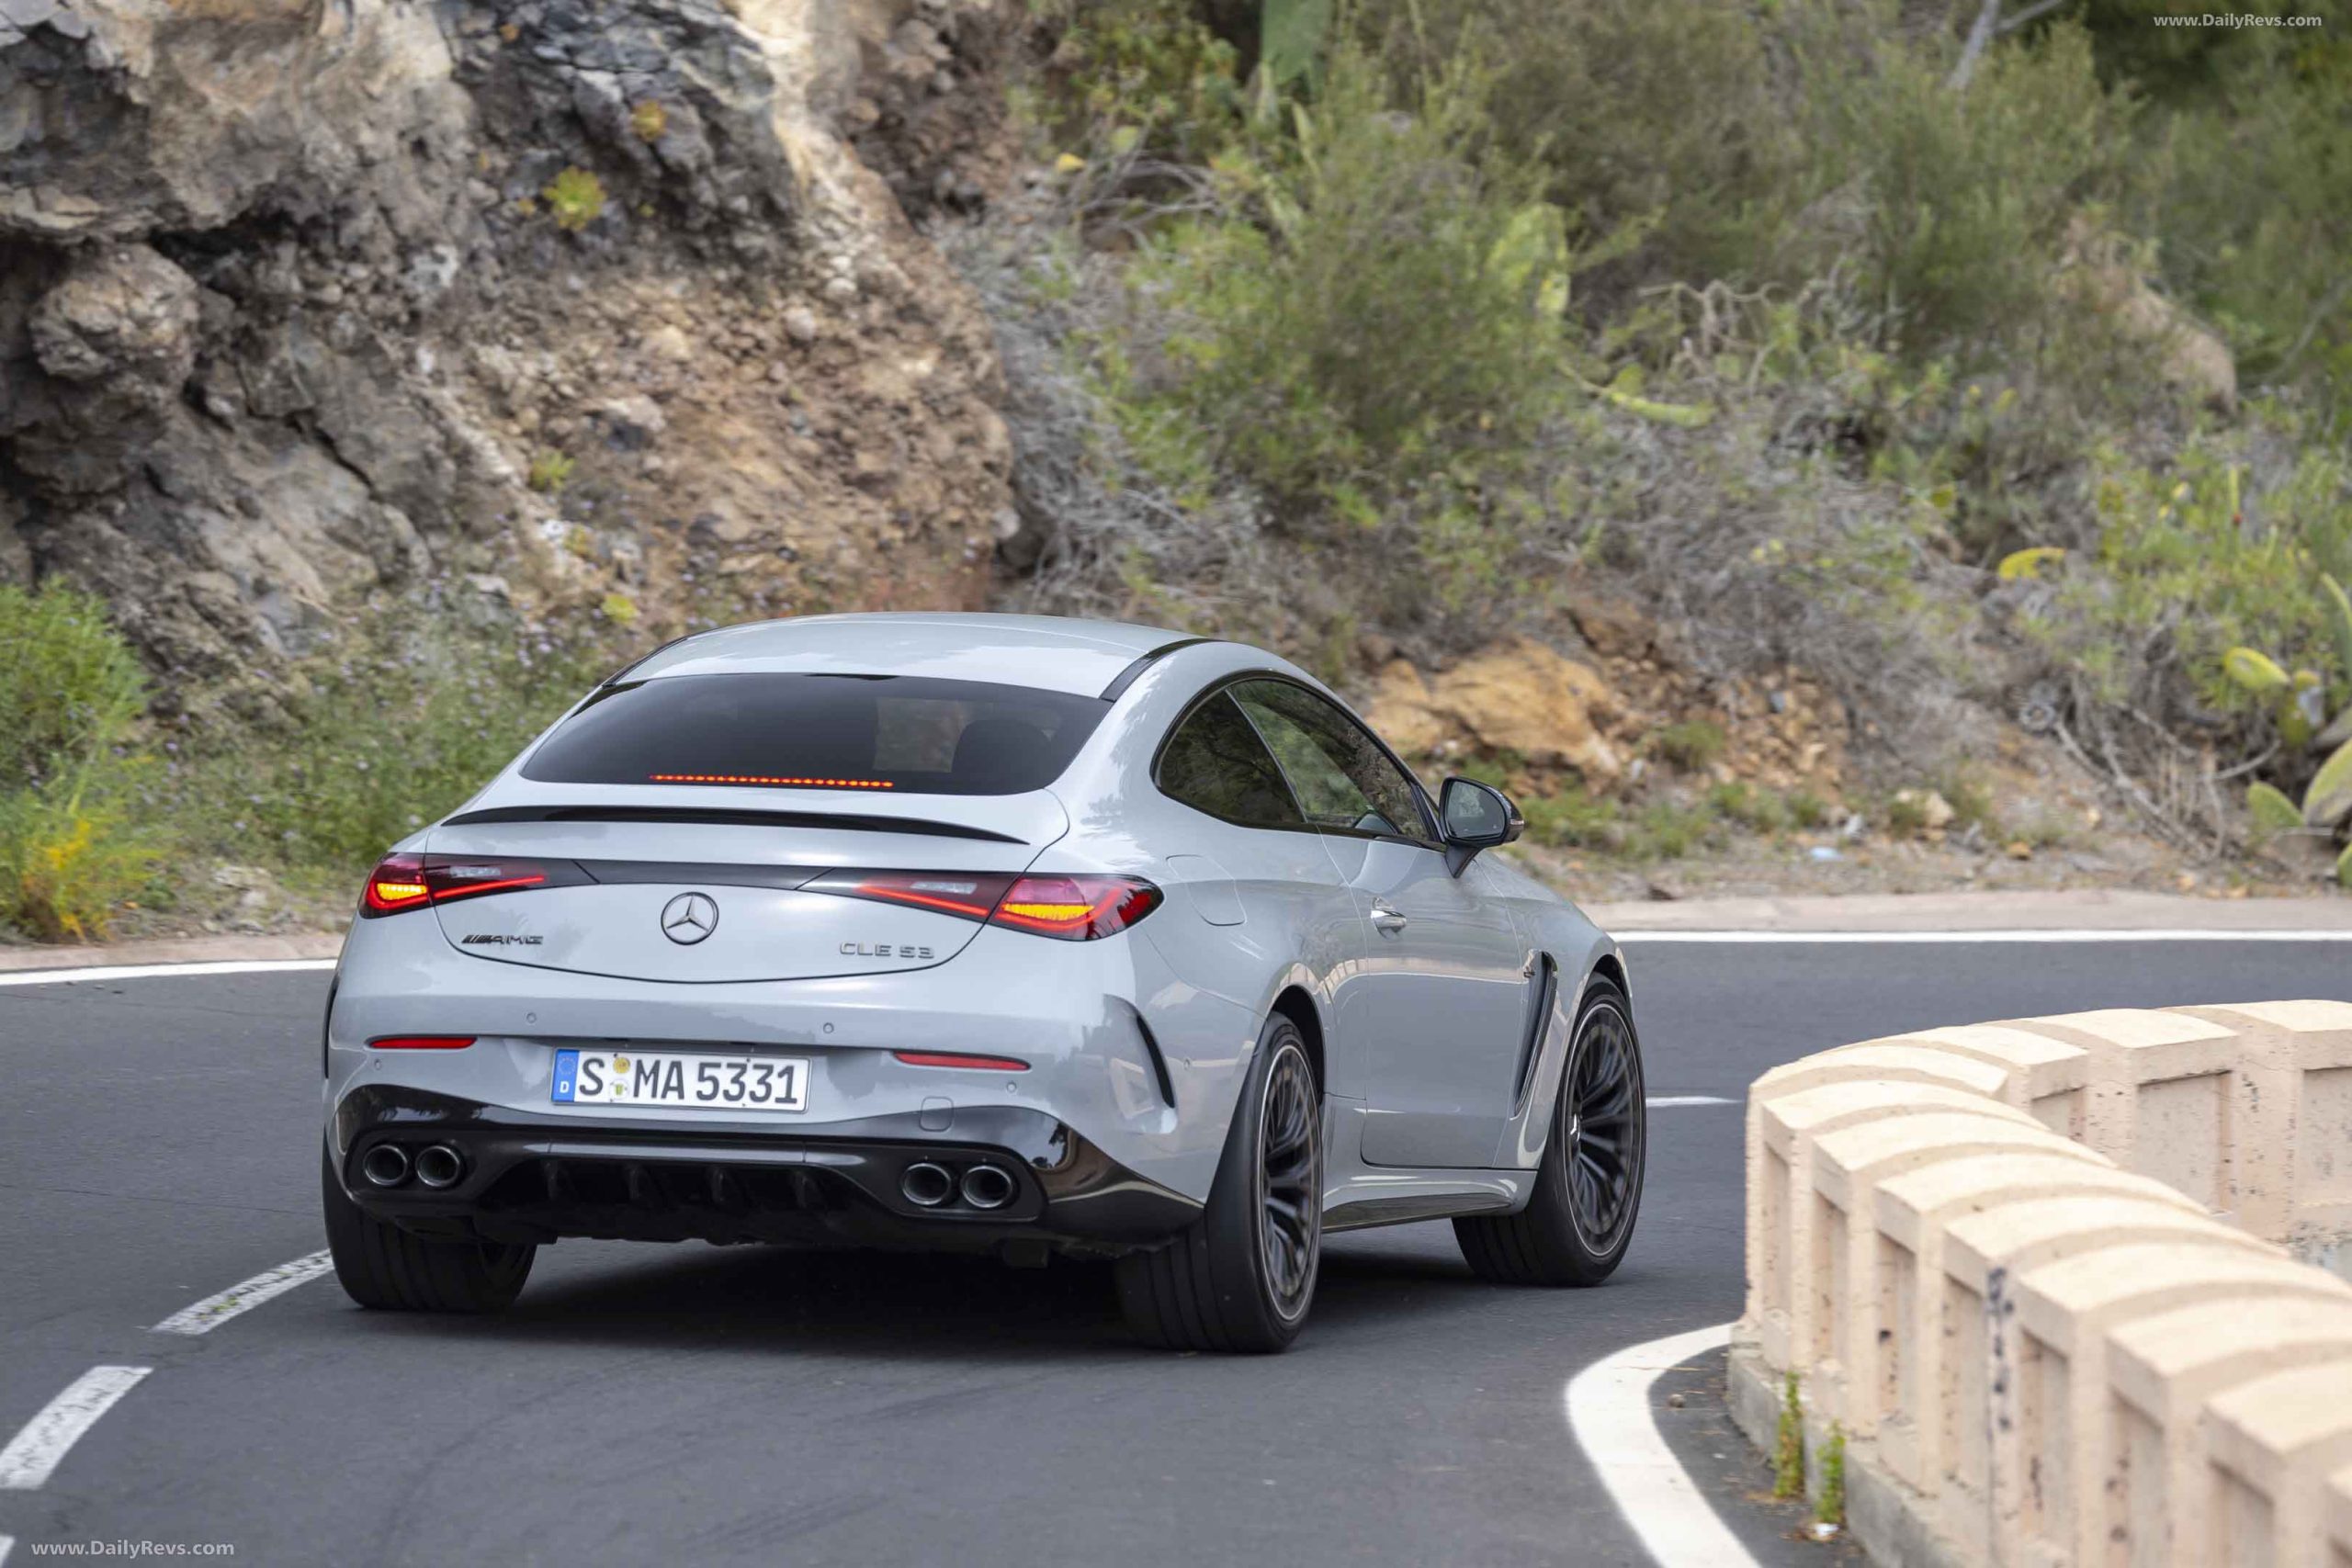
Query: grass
{"x":72,"y":702}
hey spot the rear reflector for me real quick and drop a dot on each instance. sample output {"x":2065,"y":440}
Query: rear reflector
{"x":421,"y":1043}
{"x":959,"y":1059}
{"x":411,"y":881}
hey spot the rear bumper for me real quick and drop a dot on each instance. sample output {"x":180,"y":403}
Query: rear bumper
{"x":526,"y":1176}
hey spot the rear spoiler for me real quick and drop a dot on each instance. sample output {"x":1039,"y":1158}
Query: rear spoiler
{"x":835,"y":821}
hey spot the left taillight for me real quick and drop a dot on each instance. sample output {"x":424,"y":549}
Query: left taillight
{"x":411,"y":880}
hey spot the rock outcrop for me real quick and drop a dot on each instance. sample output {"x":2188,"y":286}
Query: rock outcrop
{"x":1519,"y":697}
{"x":307,"y":300}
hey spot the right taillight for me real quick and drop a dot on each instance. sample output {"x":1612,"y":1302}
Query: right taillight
{"x":1074,"y":909}
{"x":411,"y":881}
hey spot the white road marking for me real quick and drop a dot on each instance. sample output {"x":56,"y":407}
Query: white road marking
{"x":1667,"y":1102}
{"x":213,"y":1310}
{"x":1608,"y":1411}
{"x":34,"y":1452}
{"x":1837,"y":939}
{"x":7,"y":1544}
{"x":156,"y":971}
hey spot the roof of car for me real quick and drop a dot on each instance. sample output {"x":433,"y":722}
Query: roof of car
{"x":1048,"y":652}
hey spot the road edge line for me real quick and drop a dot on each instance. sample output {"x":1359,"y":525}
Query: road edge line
{"x":33,"y":1455}
{"x":1609,"y":1413}
{"x":213,"y":1310}
{"x":160,"y":971}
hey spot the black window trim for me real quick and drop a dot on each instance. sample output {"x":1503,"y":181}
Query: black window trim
{"x":1434,"y":843}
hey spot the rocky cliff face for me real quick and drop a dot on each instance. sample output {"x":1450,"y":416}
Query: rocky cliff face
{"x":608,"y":300}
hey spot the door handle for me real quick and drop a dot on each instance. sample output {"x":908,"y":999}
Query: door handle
{"x":1387,"y":919}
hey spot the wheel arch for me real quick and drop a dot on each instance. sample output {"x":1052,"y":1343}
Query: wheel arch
{"x":1295,"y":1003}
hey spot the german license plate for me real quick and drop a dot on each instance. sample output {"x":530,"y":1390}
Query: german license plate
{"x":679,"y":1079}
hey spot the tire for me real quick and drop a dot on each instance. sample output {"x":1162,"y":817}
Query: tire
{"x":382,"y":1266}
{"x":1577,"y":1224}
{"x":1242,"y":1276}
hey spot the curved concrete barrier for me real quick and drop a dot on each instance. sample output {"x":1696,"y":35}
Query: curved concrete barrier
{"x":2063,"y":1285}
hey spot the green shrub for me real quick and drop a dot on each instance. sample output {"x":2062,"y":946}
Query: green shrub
{"x":1369,"y":308}
{"x":1654,"y":121}
{"x":72,"y":695}
{"x":415,"y":711}
{"x":1571,"y":819}
{"x":1967,"y":196}
{"x":575,"y":199}
{"x":2192,"y":560}
{"x":1751,"y":805}
{"x":1142,"y":75}
{"x":1692,"y":745}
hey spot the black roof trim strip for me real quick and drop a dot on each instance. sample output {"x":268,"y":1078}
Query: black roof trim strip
{"x":838,"y":821}
{"x":1133,"y":672}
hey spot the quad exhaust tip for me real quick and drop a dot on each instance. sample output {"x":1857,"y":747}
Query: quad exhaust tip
{"x":988,"y":1187}
{"x":440,"y":1165}
{"x":385,"y":1165}
{"x":926,"y":1185}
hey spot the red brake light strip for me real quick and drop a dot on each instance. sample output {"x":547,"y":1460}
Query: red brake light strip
{"x":771,"y":779}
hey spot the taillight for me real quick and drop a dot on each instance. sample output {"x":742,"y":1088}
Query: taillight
{"x":411,"y":882}
{"x":421,"y":1043}
{"x":1075,"y":909}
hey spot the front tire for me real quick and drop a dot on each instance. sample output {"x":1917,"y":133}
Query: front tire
{"x":381,"y":1266}
{"x":1575,"y":1228}
{"x":1242,"y":1276}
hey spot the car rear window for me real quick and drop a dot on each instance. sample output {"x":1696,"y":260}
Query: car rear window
{"x":909,"y":734}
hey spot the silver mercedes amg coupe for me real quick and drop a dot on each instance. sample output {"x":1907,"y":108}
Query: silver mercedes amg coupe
{"x":977,"y":932}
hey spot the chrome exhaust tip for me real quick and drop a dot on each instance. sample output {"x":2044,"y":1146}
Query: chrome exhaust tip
{"x":988,"y":1187}
{"x":385,"y":1165}
{"x":440,"y":1165}
{"x":926,"y":1185}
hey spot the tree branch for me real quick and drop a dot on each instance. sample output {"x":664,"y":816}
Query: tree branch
{"x":1989,"y":25}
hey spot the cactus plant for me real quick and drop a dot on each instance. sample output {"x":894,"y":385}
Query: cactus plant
{"x":2271,"y":810}
{"x":2255,"y":671}
{"x":2339,"y":621}
{"x":2329,"y":800}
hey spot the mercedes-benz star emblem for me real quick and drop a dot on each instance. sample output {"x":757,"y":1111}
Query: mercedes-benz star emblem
{"x":689,"y":918}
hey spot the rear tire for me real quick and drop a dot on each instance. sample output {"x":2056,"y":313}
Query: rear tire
{"x":1575,"y":1229}
{"x":382,"y":1266}
{"x":1242,"y":1276}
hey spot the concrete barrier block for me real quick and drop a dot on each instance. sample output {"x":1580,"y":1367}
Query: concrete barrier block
{"x":2050,"y":1078}
{"x":2161,"y":1371}
{"x":2338,"y":1508}
{"x":2294,"y":1117}
{"x":1834,"y":1326}
{"x":1969,"y":1362}
{"x":1896,"y":1344}
{"x":2046,"y":1497}
{"x":1780,"y":1155}
{"x":2161,"y":1093}
{"x":2270,"y":1445}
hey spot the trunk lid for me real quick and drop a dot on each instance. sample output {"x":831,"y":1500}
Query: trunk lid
{"x":676,"y":886}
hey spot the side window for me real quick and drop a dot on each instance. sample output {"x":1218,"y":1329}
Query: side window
{"x":1340,"y":773}
{"x":1214,"y":762}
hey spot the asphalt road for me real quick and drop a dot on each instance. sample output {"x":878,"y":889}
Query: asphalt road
{"x":158,"y":1144}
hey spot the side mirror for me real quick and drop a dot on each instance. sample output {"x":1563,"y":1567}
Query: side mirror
{"x":1475,"y":817}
